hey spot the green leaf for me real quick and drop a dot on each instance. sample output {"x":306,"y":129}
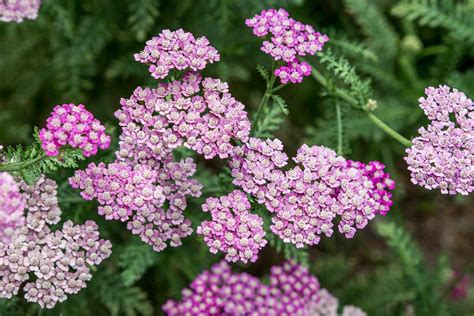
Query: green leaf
{"x":135,"y":259}
{"x":457,"y":18}
{"x":281,"y":103}
{"x":263,"y":72}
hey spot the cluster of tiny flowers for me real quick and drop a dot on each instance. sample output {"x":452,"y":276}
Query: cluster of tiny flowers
{"x":255,"y":167}
{"x":233,"y":229}
{"x":48,"y":265}
{"x":292,"y":290}
{"x":289,"y":39}
{"x":136,"y":194}
{"x":293,"y":72}
{"x":12,"y":205}
{"x":73,"y":125}
{"x":17,"y":10}
{"x":156,"y":121}
{"x":307,"y":199}
{"x":441,"y":157}
{"x":42,"y":203}
{"x":176,"y":50}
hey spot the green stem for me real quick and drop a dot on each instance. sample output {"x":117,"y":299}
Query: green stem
{"x":277,"y":88}
{"x":17,"y":166}
{"x":353,"y":102}
{"x":387,"y":129}
{"x":339,"y":127}
{"x":266,"y":96}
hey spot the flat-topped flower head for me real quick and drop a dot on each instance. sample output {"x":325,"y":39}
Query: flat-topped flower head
{"x":178,"y":50}
{"x":136,"y":194}
{"x":18,"y":10}
{"x":233,"y":230}
{"x":12,"y":206}
{"x":321,"y":191}
{"x":198,"y":113}
{"x":75,"y":126}
{"x":48,"y":265}
{"x":292,"y":290}
{"x":442,"y":156}
{"x":286,"y":40}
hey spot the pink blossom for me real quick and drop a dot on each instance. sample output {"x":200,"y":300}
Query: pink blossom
{"x":233,"y":229}
{"x":288,"y":39}
{"x":17,"y":10}
{"x":178,"y":50}
{"x":441,"y":157}
{"x":73,"y":125}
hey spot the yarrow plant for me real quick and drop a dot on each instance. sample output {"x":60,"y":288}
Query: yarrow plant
{"x":18,"y":10}
{"x":291,"y":290}
{"x":48,"y":265}
{"x":261,"y":194}
{"x":288,"y":40}
{"x":178,"y":50}
{"x":442,"y":156}
{"x":233,"y":229}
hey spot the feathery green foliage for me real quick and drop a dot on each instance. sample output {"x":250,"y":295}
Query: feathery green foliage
{"x":457,"y":18}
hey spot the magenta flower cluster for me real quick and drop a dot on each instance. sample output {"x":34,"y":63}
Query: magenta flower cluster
{"x":292,"y":290}
{"x":441,"y":157}
{"x":136,"y":194}
{"x":233,"y":229}
{"x":308,"y":198}
{"x":12,"y":206}
{"x":73,"y":125}
{"x":48,"y":265}
{"x":178,"y":50}
{"x":288,"y":40}
{"x":18,"y":10}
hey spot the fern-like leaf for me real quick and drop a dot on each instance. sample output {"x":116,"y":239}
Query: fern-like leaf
{"x":342,"y":70}
{"x":271,"y":119}
{"x":457,"y":18}
{"x":142,"y":16}
{"x":263,"y":72}
{"x":135,"y":259}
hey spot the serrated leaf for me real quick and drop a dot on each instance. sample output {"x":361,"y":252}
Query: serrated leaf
{"x":281,"y":103}
{"x":263,"y":72}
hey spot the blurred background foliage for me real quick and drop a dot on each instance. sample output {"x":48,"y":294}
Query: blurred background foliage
{"x":381,"y":51}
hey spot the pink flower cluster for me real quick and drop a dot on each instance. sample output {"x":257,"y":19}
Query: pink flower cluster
{"x":73,"y":125}
{"x":17,"y":10}
{"x":307,"y":199}
{"x":156,"y":121}
{"x":176,"y":50}
{"x":233,"y":229}
{"x":12,"y":205}
{"x":48,"y":265}
{"x":199,"y":114}
{"x":289,"y":39}
{"x":136,"y":194}
{"x":442,"y":155}
{"x":292,"y":290}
